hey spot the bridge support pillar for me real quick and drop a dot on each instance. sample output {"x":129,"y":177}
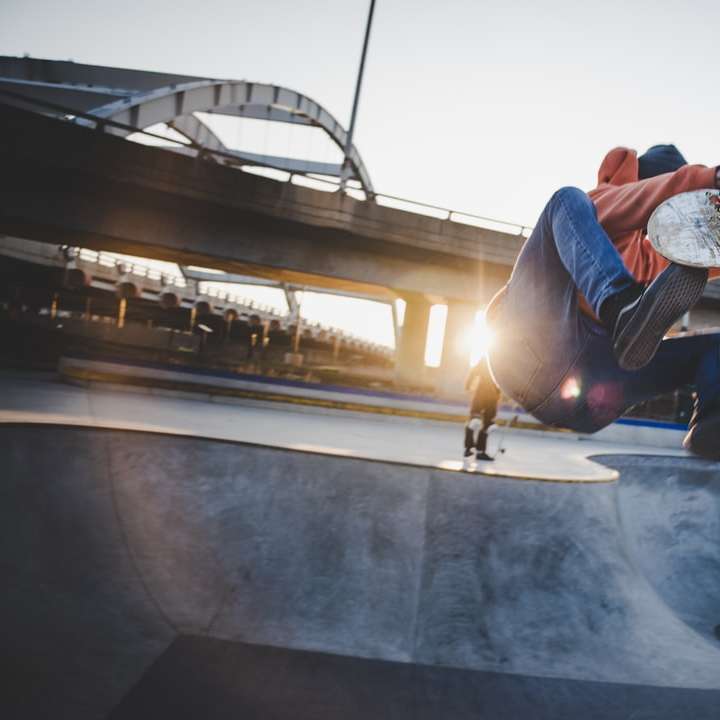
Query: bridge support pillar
{"x":457,"y":345}
{"x":410,"y":353}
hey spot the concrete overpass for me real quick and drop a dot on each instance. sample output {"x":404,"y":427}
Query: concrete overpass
{"x":81,"y":183}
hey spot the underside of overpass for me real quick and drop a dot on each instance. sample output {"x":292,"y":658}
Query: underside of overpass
{"x":78,"y":183}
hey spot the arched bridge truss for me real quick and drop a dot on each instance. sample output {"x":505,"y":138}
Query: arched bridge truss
{"x":140,"y":100}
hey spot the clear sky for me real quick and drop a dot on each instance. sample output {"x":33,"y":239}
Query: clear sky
{"x":485,"y":107}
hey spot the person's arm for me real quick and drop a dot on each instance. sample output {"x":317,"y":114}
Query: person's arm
{"x":624,"y":208}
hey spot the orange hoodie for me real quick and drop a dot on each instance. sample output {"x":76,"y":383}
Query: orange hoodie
{"x":624,"y":205}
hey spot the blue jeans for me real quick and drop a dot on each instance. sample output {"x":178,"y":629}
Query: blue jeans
{"x":558,"y":363}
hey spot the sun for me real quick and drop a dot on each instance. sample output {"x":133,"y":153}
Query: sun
{"x":482,"y":338}
{"x":473,"y":342}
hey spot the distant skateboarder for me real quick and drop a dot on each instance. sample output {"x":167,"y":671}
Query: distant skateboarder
{"x":483,"y":409}
{"x":580,"y":324}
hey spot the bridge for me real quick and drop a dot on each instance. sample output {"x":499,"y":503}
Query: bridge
{"x":70,"y":177}
{"x":166,"y":555}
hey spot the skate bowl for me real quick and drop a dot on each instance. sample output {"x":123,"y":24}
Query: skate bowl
{"x":150,"y":575}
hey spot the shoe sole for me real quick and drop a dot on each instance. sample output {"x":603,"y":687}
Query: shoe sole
{"x":663,"y":304}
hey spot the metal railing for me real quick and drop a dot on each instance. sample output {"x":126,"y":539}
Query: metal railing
{"x":124,"y":266}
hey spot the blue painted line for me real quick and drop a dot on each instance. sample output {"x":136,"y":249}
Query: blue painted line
{"x":637,"y":422}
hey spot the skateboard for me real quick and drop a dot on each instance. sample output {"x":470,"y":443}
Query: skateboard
{"x":686,"y":228}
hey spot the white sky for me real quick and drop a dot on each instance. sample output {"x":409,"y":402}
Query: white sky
{"x":485,"y":107}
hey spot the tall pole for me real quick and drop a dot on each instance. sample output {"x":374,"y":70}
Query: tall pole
{"x":347,"y":163}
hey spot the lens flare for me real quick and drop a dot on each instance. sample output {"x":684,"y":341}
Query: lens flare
{"x":482,"y":338}
{"x":570,"y":389}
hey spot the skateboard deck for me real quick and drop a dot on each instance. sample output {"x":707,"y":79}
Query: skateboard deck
{"x":686,"y":228}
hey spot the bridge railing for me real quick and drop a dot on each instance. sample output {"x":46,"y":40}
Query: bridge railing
{"x":328,"y":184}
{"x":120,"y":264}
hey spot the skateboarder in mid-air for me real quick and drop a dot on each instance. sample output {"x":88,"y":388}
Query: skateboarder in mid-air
{"x":483,"y":409}
{"x":580,"y":325}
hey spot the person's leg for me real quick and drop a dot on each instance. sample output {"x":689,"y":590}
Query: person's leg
{"x":638,"y":320}
{"x":695,"y":361}
{"x":481,"y":443}
{"x":707,"y":376}
{"x":488,"y":420}
{"x":596,"y":391}
{"x":702,"y":358}
{"x":569,"y":244}
{"x":472,"y":427}
{"x":481,"y":446}
{"x":689,"y":361}
{"x":540,"y":330}
{"x":692,"y":360}
{"x":489,"y":415}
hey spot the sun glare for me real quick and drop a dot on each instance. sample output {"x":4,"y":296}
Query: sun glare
{"x":474,"y":341}
{"x":482,"y":338}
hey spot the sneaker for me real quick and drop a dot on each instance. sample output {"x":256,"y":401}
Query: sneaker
{"x":483,"y":456}
{"x":642,"y":324}
{"x":703,"y":438}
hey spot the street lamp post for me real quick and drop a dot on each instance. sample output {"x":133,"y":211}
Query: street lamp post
{"x":347,"y":163}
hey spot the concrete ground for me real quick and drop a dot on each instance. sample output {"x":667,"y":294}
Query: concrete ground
{"x":173,"y":574}
{"x":528,"y":454}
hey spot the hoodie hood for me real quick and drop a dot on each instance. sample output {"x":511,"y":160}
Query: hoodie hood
{"x":620,"y":166}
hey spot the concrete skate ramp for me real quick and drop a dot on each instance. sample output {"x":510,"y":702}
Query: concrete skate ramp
{"x":144,"y":573}
{"x":670,"y":513}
